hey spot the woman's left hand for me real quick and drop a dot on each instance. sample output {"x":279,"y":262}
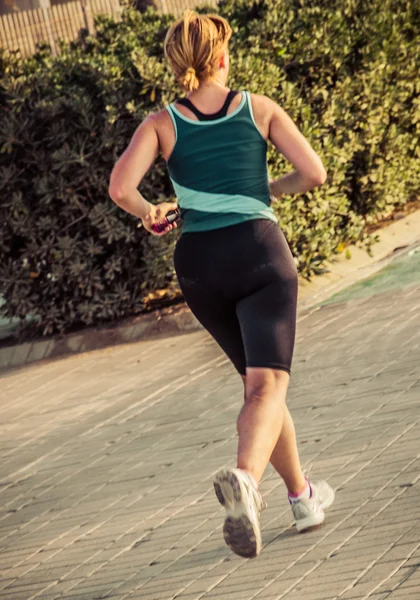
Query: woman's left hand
{"x":273,"y":197}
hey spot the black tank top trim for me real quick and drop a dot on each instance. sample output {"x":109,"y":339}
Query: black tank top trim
{"x":206,"y":117}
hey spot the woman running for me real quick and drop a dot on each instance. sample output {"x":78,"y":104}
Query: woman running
{"x":234,"y":266}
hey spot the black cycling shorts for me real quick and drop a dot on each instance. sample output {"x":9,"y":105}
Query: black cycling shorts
{"x":241,"y":284}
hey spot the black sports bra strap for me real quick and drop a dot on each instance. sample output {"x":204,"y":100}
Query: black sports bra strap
{"x":206,"y":117}
{"x":191,"y":107}
{"x":229,"y":98}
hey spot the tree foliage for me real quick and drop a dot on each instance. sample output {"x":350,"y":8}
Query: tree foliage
{"x":345,"y":71}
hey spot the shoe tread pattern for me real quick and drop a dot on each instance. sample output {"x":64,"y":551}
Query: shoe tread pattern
{"x":238,"y":532}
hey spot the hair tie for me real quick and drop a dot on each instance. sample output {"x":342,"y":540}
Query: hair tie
{"x":190,"y":71}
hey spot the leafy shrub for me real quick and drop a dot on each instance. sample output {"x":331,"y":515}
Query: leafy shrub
{"x":350,"y":83}
{"x":345,"y":71}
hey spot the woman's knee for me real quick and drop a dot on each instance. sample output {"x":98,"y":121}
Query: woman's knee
{"x":263,"y":384}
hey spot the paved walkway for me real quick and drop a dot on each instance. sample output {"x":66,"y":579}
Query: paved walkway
{"x":107,"y":462}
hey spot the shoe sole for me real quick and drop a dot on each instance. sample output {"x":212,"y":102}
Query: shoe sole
{"x":318,"y":518}
{"x":241,"y":532}
{"x":309,"y":522}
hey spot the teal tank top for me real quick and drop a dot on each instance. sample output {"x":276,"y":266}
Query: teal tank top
{"x":218,"y":169}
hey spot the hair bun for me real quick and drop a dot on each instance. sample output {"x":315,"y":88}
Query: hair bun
{"x":194,"y":46}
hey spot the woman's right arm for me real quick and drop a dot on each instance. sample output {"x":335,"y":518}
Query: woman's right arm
{"x":286,"y":137}
{"x":128,"y":172}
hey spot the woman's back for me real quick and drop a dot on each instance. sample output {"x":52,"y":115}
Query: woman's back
{"x":218,"y":168}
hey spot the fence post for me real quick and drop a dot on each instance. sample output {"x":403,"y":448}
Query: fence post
{"x":51,"y":40}
{"x":116,"y":10}
{"x":88,"y":18}
{"x":45,"y":5}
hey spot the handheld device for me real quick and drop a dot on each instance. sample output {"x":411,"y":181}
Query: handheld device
{"x":171,"y":216}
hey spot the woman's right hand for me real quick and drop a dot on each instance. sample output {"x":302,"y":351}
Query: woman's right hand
{"x":156,"y":215}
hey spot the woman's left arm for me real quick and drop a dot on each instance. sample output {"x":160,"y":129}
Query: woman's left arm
{"x":128,"y":172}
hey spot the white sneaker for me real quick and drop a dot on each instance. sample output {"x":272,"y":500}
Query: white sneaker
{"x":237,"y":492}
{"x":310,"y":512}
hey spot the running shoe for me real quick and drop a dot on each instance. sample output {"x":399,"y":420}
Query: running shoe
{"x":237,"y":491}
{"x":310,"y":512}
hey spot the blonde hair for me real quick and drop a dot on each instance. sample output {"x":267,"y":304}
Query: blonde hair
{"x":194,"y":46}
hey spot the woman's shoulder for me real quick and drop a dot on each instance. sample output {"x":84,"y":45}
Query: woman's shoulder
{"x":159,"y":119}
{"x":262,"y":107}
{"x":259,"y":101}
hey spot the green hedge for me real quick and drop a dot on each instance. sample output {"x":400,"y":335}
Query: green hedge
{"x":345,"y":71}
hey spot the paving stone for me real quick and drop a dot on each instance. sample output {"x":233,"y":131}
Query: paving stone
{"x":108,"y":468}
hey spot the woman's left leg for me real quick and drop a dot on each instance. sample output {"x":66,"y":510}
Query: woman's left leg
{"x":284,"y":456}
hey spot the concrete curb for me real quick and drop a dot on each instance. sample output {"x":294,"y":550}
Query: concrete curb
{"x":395,"y":240}
{"x":165,"y":322}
